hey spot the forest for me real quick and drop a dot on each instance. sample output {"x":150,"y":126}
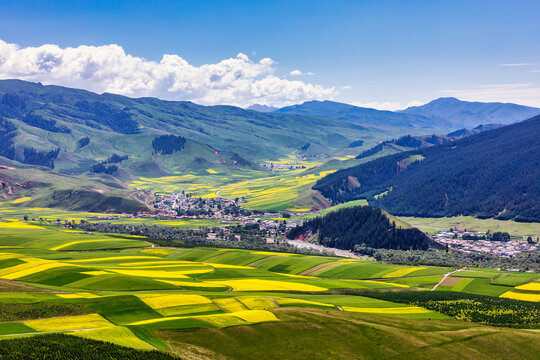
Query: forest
{"x":60,"y":346}
{"x":235,"y":237}
{"x":168,"y":144}
{"x":490,"y":174}
{"x":481,"y":309}
{"x":360,"y":225}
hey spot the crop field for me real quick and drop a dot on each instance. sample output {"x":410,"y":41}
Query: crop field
{"x":278,"y":189}
{"x":124,"y":291}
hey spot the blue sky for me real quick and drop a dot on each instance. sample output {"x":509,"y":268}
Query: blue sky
{"x":379,"y":53}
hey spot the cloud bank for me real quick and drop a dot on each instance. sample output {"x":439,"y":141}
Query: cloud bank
{"x":235,"y":81}
{"x":299,"y":73}
{"x":387,"y":105}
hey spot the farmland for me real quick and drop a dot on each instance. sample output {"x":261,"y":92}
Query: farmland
{"x":132,"y":294}
{"x":279,"y":189}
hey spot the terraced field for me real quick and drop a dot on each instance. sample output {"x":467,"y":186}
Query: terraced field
{"x":278,"y":189}
{"x":127,"y":292}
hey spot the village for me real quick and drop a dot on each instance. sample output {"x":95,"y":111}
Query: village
{"x":185,"y":206}
{"x":472,"y":241}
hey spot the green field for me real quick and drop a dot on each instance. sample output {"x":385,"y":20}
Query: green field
{"x":474,"y":224}
{"x":126,"y":292}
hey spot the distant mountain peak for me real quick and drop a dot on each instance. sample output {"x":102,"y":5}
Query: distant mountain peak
{"x":467,"y":114}
{"x":261,"y":108}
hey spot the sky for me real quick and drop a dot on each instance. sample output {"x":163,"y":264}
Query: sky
{"x":383,"y":54}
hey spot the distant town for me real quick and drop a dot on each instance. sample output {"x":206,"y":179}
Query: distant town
{"x":473,"y":241}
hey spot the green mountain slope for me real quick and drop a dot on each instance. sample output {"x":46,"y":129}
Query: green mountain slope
{"x":51,"y":119}
{"x":491,"y":174}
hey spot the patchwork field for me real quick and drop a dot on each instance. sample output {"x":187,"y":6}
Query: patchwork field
{"x":278,"y":188}
{"x":125,"y":291}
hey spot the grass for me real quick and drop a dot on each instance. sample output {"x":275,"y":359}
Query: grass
{"x":511,"y":279}
{"x":323,"y":334}
{"x":10,"y":328}
{"x":474,"y":224}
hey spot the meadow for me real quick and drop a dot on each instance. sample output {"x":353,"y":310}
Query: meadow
{"x":130,"y":293}
{"x":433,"y":225}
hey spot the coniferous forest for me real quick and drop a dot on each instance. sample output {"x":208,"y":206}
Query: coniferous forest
{"x":360,"y":225}
{"x":491,"y":174}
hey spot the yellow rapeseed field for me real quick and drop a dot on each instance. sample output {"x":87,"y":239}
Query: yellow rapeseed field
{"x":534,"y":286}
{"x":157,"y":251}
{"x":270,"y":253}
{"x":257,"y":302}
{"x":256,"y":316}
{"x":77,"y":242}
{"x":21,"y":200}
{"x":521,"y":296}
{"x":90,"y":321}
{"x":96,"y":272}
{"x":160,"y":301}
{"x":230,"y":305}
{"x":38,"y":267}
{"x":402,"y":272}
{"x":18,"y":225}
{"x":266,"y":285}
{"x":118,"y":335}
{"x":79,"y":295}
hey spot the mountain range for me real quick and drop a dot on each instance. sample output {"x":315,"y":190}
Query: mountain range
{"x":72,"y":145}
{"x":442,"y":113}
{"x":336,"y":110}
{"x":490,"y":174}
{"x":467,"y":114}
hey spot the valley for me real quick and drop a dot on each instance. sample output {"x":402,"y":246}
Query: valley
{"x":125,"y":291}
{"x":170,"y":229}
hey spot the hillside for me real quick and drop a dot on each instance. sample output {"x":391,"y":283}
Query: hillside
{"x":471,"y":114}
{"x":71,"y":130}
{"x":42,"y":188}
{"x":468,"y":132}
{"x":360,"y":226}
{"x":336,"y":110}
{"x":491,"y":174}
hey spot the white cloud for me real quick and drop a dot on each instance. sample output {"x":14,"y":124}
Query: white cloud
{"x":299,"y":73}
{"x":236,"y":81}
{"x":524,"y":94}
{"x":388,"y":105}
{"x":517,"y":64}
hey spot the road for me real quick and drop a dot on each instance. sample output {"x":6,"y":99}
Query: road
{"x":444,"y":278}
{"x":337,"y":252}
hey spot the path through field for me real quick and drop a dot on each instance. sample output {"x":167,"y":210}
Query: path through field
{"x":444,"y":278}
